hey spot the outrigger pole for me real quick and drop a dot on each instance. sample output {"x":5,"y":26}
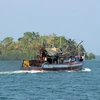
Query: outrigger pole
{"x":79,"y":43}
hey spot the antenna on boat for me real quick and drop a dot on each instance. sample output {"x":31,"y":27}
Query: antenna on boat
{"x":60,"y":40}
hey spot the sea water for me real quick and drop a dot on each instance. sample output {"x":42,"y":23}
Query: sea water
{"x":16,"y":84}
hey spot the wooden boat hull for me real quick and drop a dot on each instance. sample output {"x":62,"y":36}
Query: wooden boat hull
{"x":62,"y":67}
{"x":32,"y":68}
{"x":54,"y":67}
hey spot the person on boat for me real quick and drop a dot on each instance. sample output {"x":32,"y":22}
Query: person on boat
{"x":81,"y":59}
{"x":56,"y":58}
{"x":43,"y":54}
{"x":60,"y":51}
{"x":71,"y":60}
{"x":76,"y":58}
{"x":40,"y":54}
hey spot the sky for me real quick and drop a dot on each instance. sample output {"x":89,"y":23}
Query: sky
{"x":75,"y":19}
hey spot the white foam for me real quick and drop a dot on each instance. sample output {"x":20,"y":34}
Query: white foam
{"x":86,"y":70}
{"x":26,"y":71}
{"x":19,"y":71}
{"x":71,"y":71}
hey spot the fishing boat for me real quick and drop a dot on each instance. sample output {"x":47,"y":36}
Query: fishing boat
{"x":56,"y":62}
{"x":51,"y":65}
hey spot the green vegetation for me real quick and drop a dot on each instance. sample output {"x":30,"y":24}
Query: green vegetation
{"x":91,"y":56}
{"x":27,"y":46}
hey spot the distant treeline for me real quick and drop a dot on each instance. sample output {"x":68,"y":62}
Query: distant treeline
{"x":27,"y":46}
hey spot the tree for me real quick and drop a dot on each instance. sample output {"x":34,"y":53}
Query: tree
{"x":91,"y":56}
{"x":27,"y":46}
{"x":7,"y":41}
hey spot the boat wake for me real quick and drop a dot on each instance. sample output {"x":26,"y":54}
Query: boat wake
{"x":22,"y":71}
{"x":19,"y":71}
{"x":86,"y":70}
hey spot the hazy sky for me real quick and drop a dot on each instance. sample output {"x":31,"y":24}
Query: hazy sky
{"x":75,"y":19}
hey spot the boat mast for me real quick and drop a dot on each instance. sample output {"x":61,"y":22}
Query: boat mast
{"x":60,"y":41}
